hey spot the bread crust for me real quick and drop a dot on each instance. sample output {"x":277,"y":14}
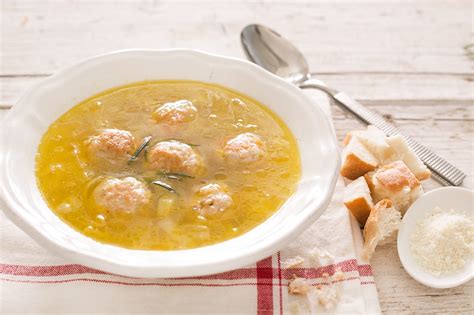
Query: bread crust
{"x":372,"y":228}
{"x":368,"y":178}
{"x":395,"y":176}
{"x":389,"y":149}
{"x":423,"y":175}
{"x":347,"y":138}
{"x":355,"y":167}
{"x":360,"y":209}
{"x":358,"y":199}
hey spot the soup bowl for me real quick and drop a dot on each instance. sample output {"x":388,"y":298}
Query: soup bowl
{"x":25,"y":124}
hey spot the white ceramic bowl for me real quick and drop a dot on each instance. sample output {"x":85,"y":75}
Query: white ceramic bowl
{"x":460,"y":199}
{"x":23,"y":127}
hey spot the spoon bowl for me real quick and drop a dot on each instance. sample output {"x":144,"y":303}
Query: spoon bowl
{"x":274,"y":53}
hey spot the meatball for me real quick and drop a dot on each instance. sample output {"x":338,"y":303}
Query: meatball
{"x":112,"y":146}
{"x":212,"y":199}
{"x":246,"y":147}
{"x":174,"y":156}
{"x":121,"y":194}
{"x":175,"y":113}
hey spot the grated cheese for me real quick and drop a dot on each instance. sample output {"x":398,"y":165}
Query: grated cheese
{"x":443,"y":241}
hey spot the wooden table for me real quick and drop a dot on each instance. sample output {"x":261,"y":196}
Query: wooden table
{"x":411,"y":62}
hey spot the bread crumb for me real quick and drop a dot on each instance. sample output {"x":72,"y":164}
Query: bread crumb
{"x":293,"y":262}
{"x":317,"y":255}
{"x":298,"y":286}
{"x":327,"y":296}
{"x":338,"y":275}
{"x":314,"y":258}
{"x":326,"y":254}
{"x":384,"y":219}
{"x":295,"y":308}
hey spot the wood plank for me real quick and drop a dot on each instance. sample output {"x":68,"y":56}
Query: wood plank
{"x":399,"y":293}
{"x":395,"y":110}
{"x":11,"y":88}
{"x":419,"y":36}
{"x":373,"y":89}
{"x":365,"y":86}
{"x":3,"y":113}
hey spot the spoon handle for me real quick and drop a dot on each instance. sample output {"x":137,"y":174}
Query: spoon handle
{"x":443,"y":171}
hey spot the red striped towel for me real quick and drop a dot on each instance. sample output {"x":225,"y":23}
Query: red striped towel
{"x":33,"y":280}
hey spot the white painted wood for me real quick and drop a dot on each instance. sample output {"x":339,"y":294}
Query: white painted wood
{"x":396,"y":36}
{"x":400,"y":294}
{"x":445,"y":89}
{"x":11,"y":88}
{"x":404,"y":59}
{"x":3,"y":113}
{"x":366,"y":86}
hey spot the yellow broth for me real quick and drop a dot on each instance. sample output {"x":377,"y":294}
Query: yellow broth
{"x":66,"y":177}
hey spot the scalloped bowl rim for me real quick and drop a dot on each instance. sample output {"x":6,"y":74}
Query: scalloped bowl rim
{"x":314,"y":193}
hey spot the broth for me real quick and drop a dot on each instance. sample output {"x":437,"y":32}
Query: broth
{"x":69,"y":177}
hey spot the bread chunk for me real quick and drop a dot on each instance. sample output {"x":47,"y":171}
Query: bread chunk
{"x":357,"y":160}
{"x":401,"y":151}
{"x":394,"y":181}
{"x":384,"y":219}
{"x":374,"y":140}
{"x":389,"y":149}
{"x":358,"y":200}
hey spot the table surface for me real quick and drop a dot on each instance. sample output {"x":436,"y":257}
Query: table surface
{"x":411,"y":62}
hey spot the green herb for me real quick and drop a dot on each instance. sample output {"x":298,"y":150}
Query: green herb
{"x":173,"y":177}
{"x":178,"y":176}
{"x":142,"y":146}
{"x":164,"y":185}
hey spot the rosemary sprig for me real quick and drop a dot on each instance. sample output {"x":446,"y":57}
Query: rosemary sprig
{"x":142,"y":146}
{"x":164,"y":185}
{"x":174,"y":175}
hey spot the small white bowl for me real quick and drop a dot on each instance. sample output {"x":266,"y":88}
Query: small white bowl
{"x":24,"y":125}
{"x":460,"y":199}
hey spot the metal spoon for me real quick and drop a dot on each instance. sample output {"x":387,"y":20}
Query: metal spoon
{"x":274,"y":53}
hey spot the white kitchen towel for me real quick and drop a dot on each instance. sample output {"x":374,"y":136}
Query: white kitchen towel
{"x":33,"y":280}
